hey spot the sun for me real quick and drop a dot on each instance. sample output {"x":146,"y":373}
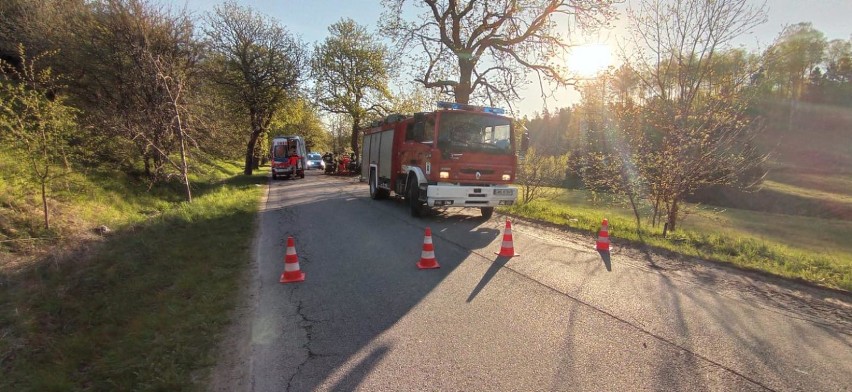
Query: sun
{"x":590,"y":59}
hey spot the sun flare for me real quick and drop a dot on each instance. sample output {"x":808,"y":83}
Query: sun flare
{"x":590,"y":59}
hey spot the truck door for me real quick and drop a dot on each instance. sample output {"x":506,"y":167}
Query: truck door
{"x":417,"y":144}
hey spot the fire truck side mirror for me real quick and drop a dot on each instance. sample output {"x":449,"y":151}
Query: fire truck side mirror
{"x":525,"y":142}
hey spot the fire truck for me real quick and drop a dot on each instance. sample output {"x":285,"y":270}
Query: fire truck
{"x":457,"y":156}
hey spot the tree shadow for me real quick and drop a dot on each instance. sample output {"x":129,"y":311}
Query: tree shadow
{"x":362,"y":285}
{"x":117,"y":298}
{"x":355,"y":375}
{"x":201,"y":188}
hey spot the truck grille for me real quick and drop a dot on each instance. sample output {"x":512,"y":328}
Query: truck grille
{"x":473,"y":171}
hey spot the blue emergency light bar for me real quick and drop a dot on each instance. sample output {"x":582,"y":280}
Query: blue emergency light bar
{"x":461,"y":106}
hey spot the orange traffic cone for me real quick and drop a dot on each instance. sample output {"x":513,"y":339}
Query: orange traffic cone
{"x":292,"y":273}
{"x":427,"y":256}
{"x":603,"y":237}
{"x":507,"y":249}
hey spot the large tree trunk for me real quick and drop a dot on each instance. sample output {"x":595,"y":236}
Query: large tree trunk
{"x":632,"y":197}
{"x":44,"y":204}
{"x":146,"y":156}
{"x":672,"y":218}
{"x":184,"y":164}
{"x":463,"y":89}
{"x":249,"y":167}
{"x":655,"y":218}
{"x":356,"y":124}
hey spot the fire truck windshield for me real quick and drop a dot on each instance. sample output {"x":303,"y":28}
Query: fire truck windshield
{"x":461,"y":132}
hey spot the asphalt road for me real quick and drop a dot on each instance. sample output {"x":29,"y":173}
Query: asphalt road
{"x":556,"y":318}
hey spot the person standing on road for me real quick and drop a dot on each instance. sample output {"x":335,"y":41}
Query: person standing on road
{"x":345,"y":163}
{"x":294,"y":157}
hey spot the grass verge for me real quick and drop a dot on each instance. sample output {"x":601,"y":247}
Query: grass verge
{"x":140,"y":310}
{"x":810,"y":249}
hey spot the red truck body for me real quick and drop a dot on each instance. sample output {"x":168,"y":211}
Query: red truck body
{"x":457,"y":156}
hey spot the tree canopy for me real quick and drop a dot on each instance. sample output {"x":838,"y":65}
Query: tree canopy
{"x":351,"y":74}
{"x":257,"y":62}
{"x":483,"y":50}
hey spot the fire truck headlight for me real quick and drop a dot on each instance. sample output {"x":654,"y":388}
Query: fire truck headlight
{"x":507,"y":177}
{"x":444,"y":175}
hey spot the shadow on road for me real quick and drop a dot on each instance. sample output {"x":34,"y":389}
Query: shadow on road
{"x":496,"y":265}
{"x":354,"y":376}
{"x":606,"y":260}
{"x":360,"y":258}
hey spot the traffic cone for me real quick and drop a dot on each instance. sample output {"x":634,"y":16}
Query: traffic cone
{"x":427,"y":256}
{"x":603,"y":237}
{"x":507,"y":249}
{"x":292,"y":273}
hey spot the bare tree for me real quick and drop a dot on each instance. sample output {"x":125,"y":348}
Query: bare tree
{"x":539,"y":175}
{"x":34,"y":119}
{"x":173,"y":78}
{"x":695,"y":136}
{"x":127,"y":50}
{"x":483,"y":50}
{"x":40,"y":25}
{"x":257,"y":63}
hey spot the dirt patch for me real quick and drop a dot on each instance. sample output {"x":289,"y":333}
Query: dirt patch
{"x":232,"y":371}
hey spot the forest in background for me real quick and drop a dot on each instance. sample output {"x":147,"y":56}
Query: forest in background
{"x":796,"y":96}
{"x":157,"y":94}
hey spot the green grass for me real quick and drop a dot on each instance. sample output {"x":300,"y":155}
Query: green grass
{"x":811,"y":192}
{"x":143,"y":309}
{"x":794,"y":180}
{"x":815,"y":250}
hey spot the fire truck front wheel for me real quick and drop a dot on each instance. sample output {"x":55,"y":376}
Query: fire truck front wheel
{"x":414,"y":202}
{"x":486,"y":212}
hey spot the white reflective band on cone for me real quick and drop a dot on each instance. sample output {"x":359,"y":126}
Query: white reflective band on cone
{"x":603,"y":239}
{"x":427,"y":254}
{"x":290,"y":267}
{"x":291,"y":251}
{"x":506,"y":244}
{"x":427,"y":240}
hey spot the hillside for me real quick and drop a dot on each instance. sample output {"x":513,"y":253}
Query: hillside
{"x":809,"y":170}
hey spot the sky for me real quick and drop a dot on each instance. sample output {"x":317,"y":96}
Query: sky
{"x":309,"y":19}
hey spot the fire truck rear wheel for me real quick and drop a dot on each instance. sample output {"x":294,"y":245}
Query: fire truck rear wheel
{"x":486,"y":212}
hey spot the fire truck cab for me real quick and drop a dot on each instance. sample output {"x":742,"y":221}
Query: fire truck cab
{"x":457,"y":156}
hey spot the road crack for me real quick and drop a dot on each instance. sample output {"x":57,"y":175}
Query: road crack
{"x":307,"y":324}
